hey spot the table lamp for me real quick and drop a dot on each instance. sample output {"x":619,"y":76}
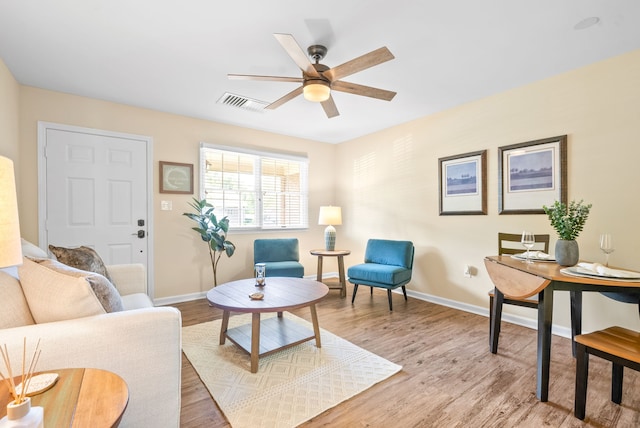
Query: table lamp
{"x":330,"y":216}
{"x":10,"y":245}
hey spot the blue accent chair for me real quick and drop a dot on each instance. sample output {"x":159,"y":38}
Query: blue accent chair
{"x":387,"y":264}
{"x":281,"y":256}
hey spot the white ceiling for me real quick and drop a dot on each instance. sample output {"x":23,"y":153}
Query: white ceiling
{"x":174,"y":56}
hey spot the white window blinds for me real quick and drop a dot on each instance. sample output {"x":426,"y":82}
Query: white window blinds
{"x":255,"y":189}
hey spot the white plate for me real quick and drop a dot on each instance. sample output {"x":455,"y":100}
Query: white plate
{"x":533,"y":257}
{"x":586,"y":273}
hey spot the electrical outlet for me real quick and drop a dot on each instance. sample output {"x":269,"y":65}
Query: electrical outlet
{"x":467,"y":271}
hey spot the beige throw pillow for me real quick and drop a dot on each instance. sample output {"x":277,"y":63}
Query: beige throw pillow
{"x":56,"y":294}
{"x":104,"y":290}
{"x":14,"y":312}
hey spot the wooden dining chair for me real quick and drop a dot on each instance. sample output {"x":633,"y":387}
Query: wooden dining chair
{"x":508,"y":244}
{"x":619,"y":345}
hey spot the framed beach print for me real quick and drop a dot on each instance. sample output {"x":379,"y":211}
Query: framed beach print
{"x":463,"y":184}
{"x":531,"y":175}
{"x":176,"y":178}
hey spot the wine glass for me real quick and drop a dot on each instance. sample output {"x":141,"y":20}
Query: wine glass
{"x":528,"y":241}
{"x":606,"y":245}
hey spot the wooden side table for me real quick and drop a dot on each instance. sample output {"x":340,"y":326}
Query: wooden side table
{"x":80,"y":398}
{"x":340,"y":255}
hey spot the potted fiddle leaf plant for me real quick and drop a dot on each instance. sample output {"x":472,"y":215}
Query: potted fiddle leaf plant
{"x":568,"y":221}
{"x":212,"y":231}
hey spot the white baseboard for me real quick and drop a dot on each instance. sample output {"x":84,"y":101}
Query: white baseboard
{"x":484,"y":311}
{"x":478,"y":310}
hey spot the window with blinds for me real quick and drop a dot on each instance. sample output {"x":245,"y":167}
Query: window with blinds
{"x":256,"y":190}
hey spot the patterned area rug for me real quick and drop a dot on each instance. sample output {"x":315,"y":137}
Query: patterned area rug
{"x":291,"y":386}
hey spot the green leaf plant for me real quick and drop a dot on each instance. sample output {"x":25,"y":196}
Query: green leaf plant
{"x":212,"y":231}
{"x":569,"y":220}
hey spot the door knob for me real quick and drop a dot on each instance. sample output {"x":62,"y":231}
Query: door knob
{"x":140,"y":234}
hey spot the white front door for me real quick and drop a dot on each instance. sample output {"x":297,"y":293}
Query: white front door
{"x":95,"y":190}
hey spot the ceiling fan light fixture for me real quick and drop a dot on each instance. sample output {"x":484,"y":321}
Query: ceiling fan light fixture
{"x":316,"y":90}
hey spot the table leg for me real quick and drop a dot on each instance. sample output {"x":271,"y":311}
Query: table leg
{"x":319,"y":270}
{"x":255,"y":341}
{"x":224,"y":326}
{"x":343,"y":282}
{"x":496,"y":316}
{"x":316,"y":327}
{"x":576,"y":318}
{"x":545,"y":319}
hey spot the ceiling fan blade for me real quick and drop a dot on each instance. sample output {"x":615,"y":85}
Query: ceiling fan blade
{"x":358,"y":64}
{"x":330,"y":108}
{"x":296,"y":53}
{"x":367,"y":91}
{"x":270,"y":78}
{"x":291,"y":95}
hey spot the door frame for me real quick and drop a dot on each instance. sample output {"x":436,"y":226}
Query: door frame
{"x":43,"y":127}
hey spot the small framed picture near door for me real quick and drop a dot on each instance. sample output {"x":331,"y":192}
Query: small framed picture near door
{"x":176,"y":178}
{"x":463,"y":184}
{"x":531,"y":175}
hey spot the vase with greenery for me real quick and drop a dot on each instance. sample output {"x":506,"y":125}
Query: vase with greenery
{"x":212,"y":231}
{"x":568,"y":221}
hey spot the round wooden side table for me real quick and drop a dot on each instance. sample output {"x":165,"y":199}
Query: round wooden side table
{"x":79,"y":398}
{"x":333,"y":253}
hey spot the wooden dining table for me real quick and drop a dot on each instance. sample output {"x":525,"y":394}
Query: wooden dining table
{"x":517,"y":279}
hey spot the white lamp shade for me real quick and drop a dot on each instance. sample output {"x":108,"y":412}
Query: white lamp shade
{"x":10,"y":245}
{"x":330,"y":216}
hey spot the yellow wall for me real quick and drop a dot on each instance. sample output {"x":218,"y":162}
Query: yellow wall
{"x":182,"y":265}
{"x":388,"y":183}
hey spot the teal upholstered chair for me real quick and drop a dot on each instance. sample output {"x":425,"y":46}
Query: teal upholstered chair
{"x":281,"y":256}
{"x":387,"y":264}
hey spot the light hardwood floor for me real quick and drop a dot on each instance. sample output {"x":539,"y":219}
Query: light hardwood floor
{"x":449,"y":377}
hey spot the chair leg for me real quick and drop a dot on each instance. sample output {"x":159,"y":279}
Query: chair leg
{"x":371,"y":291}
{"x":490,"y":314}
{"x":355,"y":290}
{"x":389,"y":297}
{"x":496,"y":318}
{"x":582,"y":373}
{"x":404,"y":291}
{"x":617,"y":373}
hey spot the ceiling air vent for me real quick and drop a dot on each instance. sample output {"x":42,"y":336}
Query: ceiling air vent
{"x":242,"y":102}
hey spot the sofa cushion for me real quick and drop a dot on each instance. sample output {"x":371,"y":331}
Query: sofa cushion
{"x":136,"y":301}
{"x":104,"y":290}
{"x":33,"y":251}
{"x":83,"y":258}
{"x":54,"y":296}
{"x":15,"y":311}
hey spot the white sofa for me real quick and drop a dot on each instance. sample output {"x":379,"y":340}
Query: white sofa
{"x":142,"y":344}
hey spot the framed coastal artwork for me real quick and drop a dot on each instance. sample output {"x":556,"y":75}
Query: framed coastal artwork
{"x":532,"y":174}
{"x":463,"y":184}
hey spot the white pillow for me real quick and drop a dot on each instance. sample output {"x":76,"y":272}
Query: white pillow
{"x":14,"y":312}
{"x":55,"y":296}
{"x":33,"y":251}
{"x":104,"y":289}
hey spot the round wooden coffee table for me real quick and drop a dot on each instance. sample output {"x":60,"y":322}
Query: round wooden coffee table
{"x":280,"y":294}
